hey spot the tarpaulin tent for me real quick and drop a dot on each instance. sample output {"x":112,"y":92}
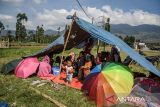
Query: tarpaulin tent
{"x":10,"y":66}
{"x":81,"y":30}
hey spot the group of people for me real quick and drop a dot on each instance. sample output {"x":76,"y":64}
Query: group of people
{"x":81,"y":66}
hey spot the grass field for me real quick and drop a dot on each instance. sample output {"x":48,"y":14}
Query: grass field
{"x":16,"y":91}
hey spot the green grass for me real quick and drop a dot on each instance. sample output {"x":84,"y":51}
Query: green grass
{"x":7,"y":55}
{"x":16,"y":91}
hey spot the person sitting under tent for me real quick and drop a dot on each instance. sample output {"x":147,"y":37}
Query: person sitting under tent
{"x":103,"y":58}
{"x":79,"y":62}
{"x":57,"y":61}
{"x":93,"y":61}
{"x":98,"y":59}
{"x":88,"y":46}
{"x":115,"y":55}
{"x":85,"y":70}
{"x":108,"y":56}
{"x":72,"y":57}
{"x":50,"y":55}
{"x":127,"y":61}
{"x":44,"y":67}
{"x":153,"y":76}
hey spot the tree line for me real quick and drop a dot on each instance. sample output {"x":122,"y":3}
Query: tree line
{"x":21,"y":34}
{"x":39,"y":37}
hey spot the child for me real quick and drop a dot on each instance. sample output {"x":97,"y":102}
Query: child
{"x":69,"y":72}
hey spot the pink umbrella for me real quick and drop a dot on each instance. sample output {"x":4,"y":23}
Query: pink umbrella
{"x":26,"y":67}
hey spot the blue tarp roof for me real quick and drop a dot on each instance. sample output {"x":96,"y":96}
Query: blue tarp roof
{"x":104,"y":36}
{"x":107,"y":37}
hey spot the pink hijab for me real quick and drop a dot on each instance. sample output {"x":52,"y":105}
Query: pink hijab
{"x":46,"y":59}
{"x":44,"y":67}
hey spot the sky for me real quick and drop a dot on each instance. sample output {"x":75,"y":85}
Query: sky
{"x":52,"y":13}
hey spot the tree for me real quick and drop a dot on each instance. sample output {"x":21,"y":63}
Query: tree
{"x":129,"y":40}
{"x":23,"y":32}
{"x":22,"y":17}
{"x":9,"y":35}
{"x":31,"y":36}
{"x":107,"y":28}
{"x":107,"y":25}
{"x":40,"y":34}
{"x":20,"y":27}
{"x":37,"y":34}
{"x":1,"y":26}
{"x":120,"y":37}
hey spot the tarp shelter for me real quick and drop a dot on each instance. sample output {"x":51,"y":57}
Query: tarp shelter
{"x":81,"y":30}
{"x":10,"y":66}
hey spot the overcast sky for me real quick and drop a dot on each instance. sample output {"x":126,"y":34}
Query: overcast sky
{"x":52,"y":13}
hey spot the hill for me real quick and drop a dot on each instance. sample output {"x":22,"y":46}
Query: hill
{"x":151,"y":33}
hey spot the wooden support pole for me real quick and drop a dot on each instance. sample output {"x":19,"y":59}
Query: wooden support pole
{"x":97,"y":46}
{"x":65,"y":44}
{"x":104,"y":47}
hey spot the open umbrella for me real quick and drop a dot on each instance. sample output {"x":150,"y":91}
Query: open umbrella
{"x":96,"y":68}
{"x":107,"y":85}
{"x":26,"y":67}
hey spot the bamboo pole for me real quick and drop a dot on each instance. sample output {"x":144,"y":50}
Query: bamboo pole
{"x":64,"y":48}
{"x":97,"y":46}
{"x":48,"y":97}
